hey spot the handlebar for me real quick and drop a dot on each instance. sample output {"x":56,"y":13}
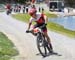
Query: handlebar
{"x":28,"y":31}
{"x":31,"y":31}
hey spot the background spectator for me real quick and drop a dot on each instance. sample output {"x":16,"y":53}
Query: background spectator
{"x":24,"y":7}
{"x":39,"y":9}
{"x":42,"y":9}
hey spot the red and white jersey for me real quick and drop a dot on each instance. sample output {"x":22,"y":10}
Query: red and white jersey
{"x":39,"y":18}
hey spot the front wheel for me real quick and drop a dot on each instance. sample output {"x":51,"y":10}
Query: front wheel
{"x":41,"y":45}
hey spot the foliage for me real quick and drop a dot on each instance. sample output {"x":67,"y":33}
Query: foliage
{"x":22,"y":1}
{"x":7,"y":48}
{"x":70,"y":2}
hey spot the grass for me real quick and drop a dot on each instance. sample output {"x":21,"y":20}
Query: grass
{"x":22,"y":17}
{"x":7,"y":48}
{"x":60,"y":29}
{"x":25,"y":17}
{"x":52,"y":26}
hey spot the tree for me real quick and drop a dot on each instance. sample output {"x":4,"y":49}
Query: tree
{"x":70,"y":2}
{"x":22,"y":1}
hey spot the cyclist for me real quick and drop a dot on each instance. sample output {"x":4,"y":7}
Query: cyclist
{"x":8,"y":8}
{"x":40,"y":20}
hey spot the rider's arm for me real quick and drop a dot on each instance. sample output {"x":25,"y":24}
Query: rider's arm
{"x":46,"y":19}
{"x":29,"y":25}
{"x":30,"y":22}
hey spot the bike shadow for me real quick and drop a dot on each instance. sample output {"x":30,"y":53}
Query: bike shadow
{"x":49,"y":54}
{"x":54,"y":53}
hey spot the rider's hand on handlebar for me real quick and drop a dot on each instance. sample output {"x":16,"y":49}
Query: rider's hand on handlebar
{"x":27,"y":31}
{"x":45,"y":23}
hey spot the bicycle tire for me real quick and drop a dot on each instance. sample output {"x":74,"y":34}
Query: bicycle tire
{"x":40,"y":40}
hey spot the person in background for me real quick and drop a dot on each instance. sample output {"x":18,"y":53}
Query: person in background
{"x":24,"y":7}
{"x":27,"y":9}
{"x":39,"y":9}
{"x":33,"y":6}
{"x":19,"y":8}
{"x":42,"y":10}
{"x":8,"y":9}
{"x":8,"y":6}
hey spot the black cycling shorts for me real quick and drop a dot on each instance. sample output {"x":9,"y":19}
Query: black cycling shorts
{"x":44,"y":29}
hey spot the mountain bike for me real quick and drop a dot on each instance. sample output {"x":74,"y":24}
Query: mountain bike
{"x":42,"y":44}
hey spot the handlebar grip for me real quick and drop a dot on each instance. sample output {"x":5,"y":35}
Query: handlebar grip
{"x":45,"y":24}
{"x":27,"y":31}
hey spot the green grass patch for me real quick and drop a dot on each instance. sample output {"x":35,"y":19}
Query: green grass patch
{"x":7,"y":48}
{"x":22,"y":17}
{"x":58,"y":28}
{"x":50,"y":15}
{"x":52,"y":26}
{"x":25,"y":17}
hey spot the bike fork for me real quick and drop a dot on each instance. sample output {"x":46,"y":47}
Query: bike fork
{"x":48,"y":46}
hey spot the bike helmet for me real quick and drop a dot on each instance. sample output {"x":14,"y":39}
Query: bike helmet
{"x":32,"y":11}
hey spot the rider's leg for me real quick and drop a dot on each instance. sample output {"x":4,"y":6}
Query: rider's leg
{"x":49,"y":41}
